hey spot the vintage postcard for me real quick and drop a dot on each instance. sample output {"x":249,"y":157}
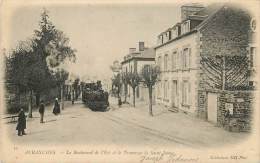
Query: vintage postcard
{"x":129,"y":81}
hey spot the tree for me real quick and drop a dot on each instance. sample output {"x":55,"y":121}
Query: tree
{"x":149,"y":75}
{"x":52,"y":48}
{"x":124,"y":81}
{"x":75,"y":89}
{"x":34,"y":62}
{"x":226,"y":72}
{"x":133,"y":80}
{"x":61,"y":76}
{"x":116,"y":81}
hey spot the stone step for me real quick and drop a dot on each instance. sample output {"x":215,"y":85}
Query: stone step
{"x":173,"y":109}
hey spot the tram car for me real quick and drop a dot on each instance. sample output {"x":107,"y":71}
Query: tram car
{"x":95,"y":97}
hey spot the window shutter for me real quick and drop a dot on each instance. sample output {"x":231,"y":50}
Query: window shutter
{"x":182,"y":92}
{"x":189,"y":58}
{"x":189,"y":94}
{"x":177,"y":60}
{"x":181,"y":60}
{"x":172,"y":61}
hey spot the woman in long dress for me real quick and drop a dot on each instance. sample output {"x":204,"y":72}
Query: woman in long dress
{"x":56,"y":109}
{"x":21,"y":125}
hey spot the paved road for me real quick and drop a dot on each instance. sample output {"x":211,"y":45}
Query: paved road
{"x":79,"y":125}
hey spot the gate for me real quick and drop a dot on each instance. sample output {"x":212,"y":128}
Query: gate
{"x":212,"y":107}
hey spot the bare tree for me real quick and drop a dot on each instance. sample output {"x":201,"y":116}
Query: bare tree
{"x":116,"y":81}
{"x":133,"y":80}
{"x":124,"y":81}
{"x":150,"y":74}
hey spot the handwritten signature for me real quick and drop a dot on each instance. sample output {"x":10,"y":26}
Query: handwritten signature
{"x":170,"y":158}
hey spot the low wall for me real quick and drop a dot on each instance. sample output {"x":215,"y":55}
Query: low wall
{"x":234,"y":108}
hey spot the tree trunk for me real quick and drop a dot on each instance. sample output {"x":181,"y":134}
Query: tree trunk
{"x":73,"y":93}
{"x":150,"y":100}
{"x":30,"y":104}
{"x":19,"y":96}
{"x":38,"y":96}
{"x":125,"y":92}
{"x":134,"y":97}
{"x":61,"y":97}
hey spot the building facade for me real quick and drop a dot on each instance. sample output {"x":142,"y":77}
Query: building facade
{"x":134,"y":62}
{"x":208,"y":50}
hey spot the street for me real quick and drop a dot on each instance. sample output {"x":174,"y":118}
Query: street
{"x":122,"y":126}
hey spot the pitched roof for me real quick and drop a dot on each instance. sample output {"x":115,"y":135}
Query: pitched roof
{"x":209,"y":10}
{"x":148,"y":53}
{"x":204,"y":15}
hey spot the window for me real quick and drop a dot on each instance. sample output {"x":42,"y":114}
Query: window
{"x":185,"y":27}
{"x":158,"y":89}
{"x":174,"y":93}
{"x":170,"y":35}
{"x":161,"y":88}
{"x":186,"y":58}
{"x":253,"y":24}
{"x":174,"y":60}
{"x":185,"y":93}
{"x":159,"y":62}
{"x":166,"y":62}
{"x":160,"y":39}
{"x":166,"y":88}
{"x":174,"y":32}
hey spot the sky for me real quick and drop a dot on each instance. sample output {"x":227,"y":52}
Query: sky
{"x":101,"y":33}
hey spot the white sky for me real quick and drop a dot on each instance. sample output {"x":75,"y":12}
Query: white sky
{"x":100,"y":33}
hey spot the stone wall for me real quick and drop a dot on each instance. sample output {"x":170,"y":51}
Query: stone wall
{"x":202,"y":105}
{"x":225,"y":34}
{"x":241,"y":105}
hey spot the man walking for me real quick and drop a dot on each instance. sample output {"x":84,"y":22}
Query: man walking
{"x":41,"y":110}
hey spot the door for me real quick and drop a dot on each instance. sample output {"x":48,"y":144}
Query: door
{"x":212,"y":107}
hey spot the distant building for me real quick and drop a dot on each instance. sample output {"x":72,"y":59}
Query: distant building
{"x":207,"y":50}
{"x":134,"y":62}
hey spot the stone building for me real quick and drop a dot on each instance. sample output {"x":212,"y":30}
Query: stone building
{"x":207,"y":52}
{"x":134,"y":62}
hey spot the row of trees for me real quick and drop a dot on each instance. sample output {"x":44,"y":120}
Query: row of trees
{"x":148,"y":76}
{"x":35,"y":65}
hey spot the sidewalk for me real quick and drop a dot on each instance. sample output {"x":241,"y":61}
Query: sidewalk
{"x":48,"y":111}
{"x":180,"y":126}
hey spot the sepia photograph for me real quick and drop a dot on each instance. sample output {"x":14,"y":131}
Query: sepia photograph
{"x":131,"y":81}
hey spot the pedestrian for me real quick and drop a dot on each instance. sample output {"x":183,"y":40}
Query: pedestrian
{"x":119,"y":101}
{"x":41,"y":111}
{"x":21,"y":125}
{"x":56,"y":108}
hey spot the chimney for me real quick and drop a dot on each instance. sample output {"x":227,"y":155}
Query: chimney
{"x":132,"y":50}
{"x":190,"y":9}
{"x":141,"y":46}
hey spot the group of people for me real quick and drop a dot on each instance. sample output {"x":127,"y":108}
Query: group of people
{"x":21,"y":125}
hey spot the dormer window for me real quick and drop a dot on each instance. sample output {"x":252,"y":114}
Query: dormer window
{"x":169,"y":35}
{"x":160,"y":39}
{"x":185,"y":27}
{"x":174,"y":32}
{"x":165,"y":38}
